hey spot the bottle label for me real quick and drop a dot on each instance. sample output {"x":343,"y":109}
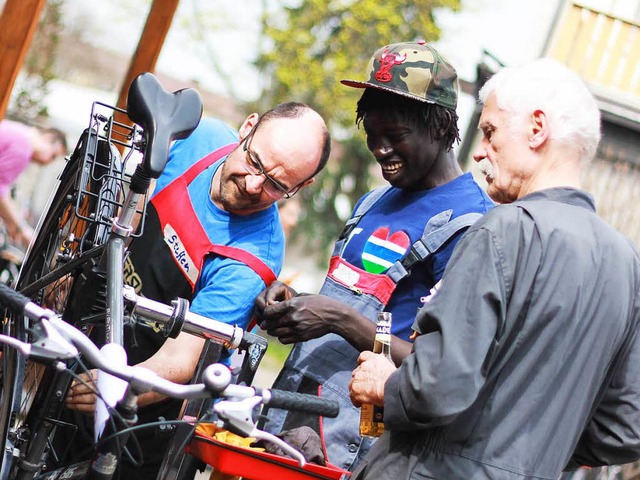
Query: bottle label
{"x":383,"y":329}
{"x":371,"y":421}
{"x":382,"y":342}
{"x":372,"y":416}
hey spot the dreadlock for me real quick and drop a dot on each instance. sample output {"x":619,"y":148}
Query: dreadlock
{"x":439,"y":122}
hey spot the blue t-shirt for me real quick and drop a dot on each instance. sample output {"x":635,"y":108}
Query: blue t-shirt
{"x":226,"y":289}
{"x":400,"y":218}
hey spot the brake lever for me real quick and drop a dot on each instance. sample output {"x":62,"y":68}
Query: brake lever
{"x":238,"y":415}
{"x":50,"y":346}
{"x":238,"y":418}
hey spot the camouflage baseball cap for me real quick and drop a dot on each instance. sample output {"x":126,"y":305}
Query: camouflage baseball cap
{"x":414,"y":70}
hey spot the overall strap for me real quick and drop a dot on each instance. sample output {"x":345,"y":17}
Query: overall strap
{"x":436,"y":233}
{"x":363,"y":208}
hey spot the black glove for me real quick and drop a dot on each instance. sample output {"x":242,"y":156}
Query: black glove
{"x":304,"y":439}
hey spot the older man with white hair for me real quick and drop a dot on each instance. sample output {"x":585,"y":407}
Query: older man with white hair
{"x":525,"y":361}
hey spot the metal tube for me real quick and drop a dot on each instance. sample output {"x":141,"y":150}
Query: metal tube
{"x":194,"y":324}
{"x":115,"y":277}
{"x":128,"y":212}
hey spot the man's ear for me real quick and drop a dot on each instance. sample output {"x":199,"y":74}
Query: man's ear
{"x":308,"y":182}
{"x":539,"y":129}
{"x":249,"y":122}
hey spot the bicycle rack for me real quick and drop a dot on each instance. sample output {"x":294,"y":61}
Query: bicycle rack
{"x":111,"y":151}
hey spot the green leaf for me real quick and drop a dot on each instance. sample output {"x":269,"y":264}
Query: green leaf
{"x":314,"y":45}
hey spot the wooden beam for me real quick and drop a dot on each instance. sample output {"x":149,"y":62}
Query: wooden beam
{"x":17,"y":25}
{"x":150,"y":44}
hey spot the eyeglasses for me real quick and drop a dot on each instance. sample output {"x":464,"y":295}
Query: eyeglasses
{"x":254,"y":167}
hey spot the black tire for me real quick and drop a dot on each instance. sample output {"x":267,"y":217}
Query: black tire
{"x":12,"y":369}
{"x":33,"y":394}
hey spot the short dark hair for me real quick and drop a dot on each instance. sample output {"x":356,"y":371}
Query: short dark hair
{"x":296,"y":110}
{"x":57,"y":135}
{"x":440,"y":122}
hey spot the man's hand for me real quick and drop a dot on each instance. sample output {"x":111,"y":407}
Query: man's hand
{"x":297,"y":317}
{"x":301,"y":318}
{"x":274,"y":293}
{"x":368,"y":379}
{"x":81,"y":396}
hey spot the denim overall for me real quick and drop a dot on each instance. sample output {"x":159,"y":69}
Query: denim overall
{"x":323,"y":366}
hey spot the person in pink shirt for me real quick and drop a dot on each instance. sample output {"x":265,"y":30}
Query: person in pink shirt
{"x":19,"y":145}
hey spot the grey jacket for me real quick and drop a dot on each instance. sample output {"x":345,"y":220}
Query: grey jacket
{"x":529,"y":353}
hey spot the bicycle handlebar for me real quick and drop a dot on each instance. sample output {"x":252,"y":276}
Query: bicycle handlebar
{"x":171,"y":320}
{"x":300,"y":402}
{"x":216,"y":377}
{"x":177,"y":317}
{"x":12,"y":299}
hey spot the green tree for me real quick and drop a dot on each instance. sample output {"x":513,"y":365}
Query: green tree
{"x":313,"y":45}
{"x":38,"y":69}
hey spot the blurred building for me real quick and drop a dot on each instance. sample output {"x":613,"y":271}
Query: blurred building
{"x":599,"y":40}
{"x":602,"y":45}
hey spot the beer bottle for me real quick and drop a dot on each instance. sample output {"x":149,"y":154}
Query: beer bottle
{"x":371,"y":416}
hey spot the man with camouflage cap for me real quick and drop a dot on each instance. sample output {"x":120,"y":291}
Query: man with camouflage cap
{"x":407,"y":227}
{"x":413,"y":70}
{"x":526,"y":362}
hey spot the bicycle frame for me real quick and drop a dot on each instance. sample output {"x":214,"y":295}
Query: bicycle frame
{"x":159,"y":117}
{"x":122,"y":227}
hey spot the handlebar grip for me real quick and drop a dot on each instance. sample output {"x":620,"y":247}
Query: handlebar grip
{"x":303,"y":402}
{"x":12,"y":299}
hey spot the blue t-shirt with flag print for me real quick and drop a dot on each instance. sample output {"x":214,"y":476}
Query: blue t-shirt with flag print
{"x":387,"y":230}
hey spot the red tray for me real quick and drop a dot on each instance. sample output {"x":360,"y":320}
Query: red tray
{"x":256,"y":465}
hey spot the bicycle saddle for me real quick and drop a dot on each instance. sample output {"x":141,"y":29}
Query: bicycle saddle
{"x":164,"y":117}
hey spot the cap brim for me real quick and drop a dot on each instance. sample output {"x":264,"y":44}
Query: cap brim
{"x":355,"y":84}
{"x":358,"y":84}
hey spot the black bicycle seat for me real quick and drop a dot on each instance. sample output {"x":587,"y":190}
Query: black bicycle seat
{"x":164,"y":117}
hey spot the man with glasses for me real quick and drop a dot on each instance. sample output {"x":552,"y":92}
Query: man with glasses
{"x":213,"y":235}
{"x":254,"y":167}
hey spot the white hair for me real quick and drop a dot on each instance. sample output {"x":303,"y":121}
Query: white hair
{"x":547,"y":85}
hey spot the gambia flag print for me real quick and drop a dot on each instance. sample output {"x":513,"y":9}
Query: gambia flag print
{"x":382,"y":250}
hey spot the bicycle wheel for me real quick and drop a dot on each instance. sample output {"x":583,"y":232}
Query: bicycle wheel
{"x":12,"y":371}
{"x":33,"y":395}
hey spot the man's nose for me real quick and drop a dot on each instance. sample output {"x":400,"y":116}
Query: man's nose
{"x":479,"y":153}
{"x":254,"y":184}
{"x":382,"y":150}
